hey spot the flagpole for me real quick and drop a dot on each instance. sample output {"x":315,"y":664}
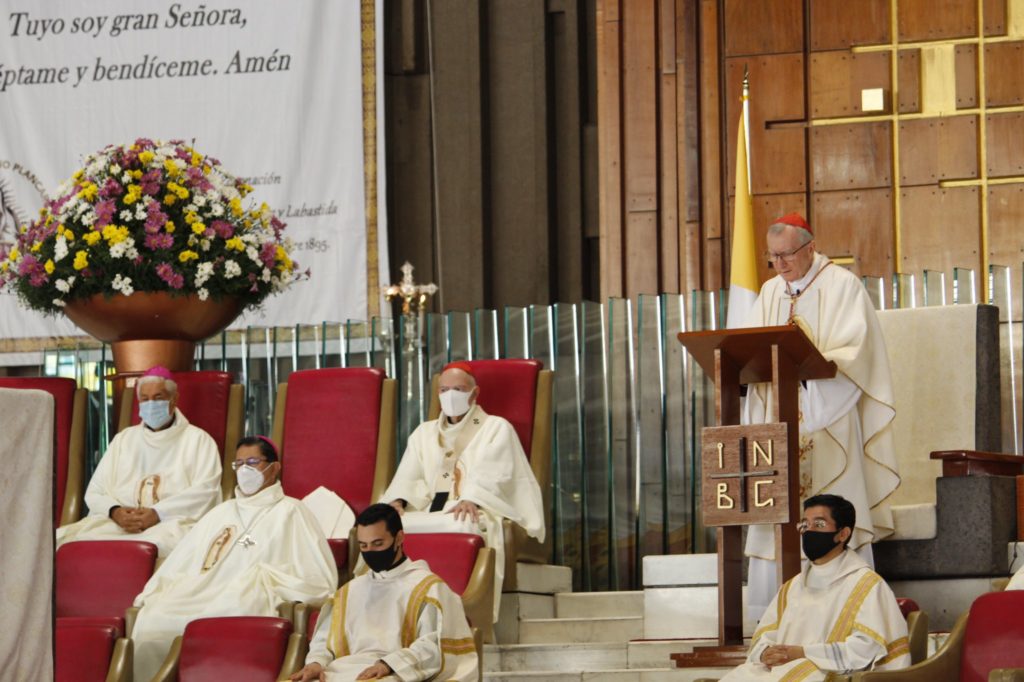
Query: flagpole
{"x":746,"y":121}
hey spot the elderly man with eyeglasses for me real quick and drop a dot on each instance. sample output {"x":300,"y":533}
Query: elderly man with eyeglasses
{"x":846,"y":443}
{"x":156,"y":479}
{"x":244,"y":558}
{"x":836,"y":616}
{"x":465,"y":471}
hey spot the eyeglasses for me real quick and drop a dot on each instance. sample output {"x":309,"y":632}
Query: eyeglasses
{"x":816,"y":524}
{"x":252,"y":461}
{"x":787,"y":257}
{"x":445,"y":389}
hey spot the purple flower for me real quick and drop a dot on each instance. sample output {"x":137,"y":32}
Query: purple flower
{"x":160,"y":240}
{"x":105,"y":212}
{"x":111,"y":188}
{"x":169,"y":275}
{"x":267,"y":252}
{"x":222,"y":229}
{"x":151,"y":182}
{"x":155,"y":218}
{"x":30,"y":267}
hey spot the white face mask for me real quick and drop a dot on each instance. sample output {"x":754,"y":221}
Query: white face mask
{"x":455,"y":403}
{"x":155,"y":413}
{"x":250,"y":480}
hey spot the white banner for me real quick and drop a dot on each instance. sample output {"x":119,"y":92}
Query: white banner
{"x":274,"y":90}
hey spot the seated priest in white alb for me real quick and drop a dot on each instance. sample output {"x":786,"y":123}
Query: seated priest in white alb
{"x":836,"y":616}
{"x":397,"y":621}
{"x":465,"y":471}
{"x":1017,"y":581}
{"x":244,"y":558}
{"x":156,"y":479}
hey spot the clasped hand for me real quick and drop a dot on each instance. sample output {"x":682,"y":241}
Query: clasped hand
{"x":780,"y":654}
{"x":135,"y":519}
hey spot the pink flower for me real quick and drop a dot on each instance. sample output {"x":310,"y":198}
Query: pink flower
{"x":160,"y":240}
{"x":151,"y":182}
{"x":104,"y":213}
{"x":222,"y":229}
{"x":30,"y":267}
{"x":111,"y":188}
{"x":155,"y":218}
{"x":267,"y":252}
{"x":169,"y":275}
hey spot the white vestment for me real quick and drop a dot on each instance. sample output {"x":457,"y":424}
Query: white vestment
{"x":244,"y":558}
{"x":479,"y":459}
{"x":844,"y":616}
{"x":407,"y":617}
{"x":175,"y":471}
{"x":1017,"y":581}
{"x":846,"y":445}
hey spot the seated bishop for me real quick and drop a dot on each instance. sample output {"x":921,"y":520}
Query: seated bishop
{"x":397,"y":621}
{"x":156,"y":479}
{"x":244,"y":558}
{"x":466,"y":471}
{"x":836,"y":616}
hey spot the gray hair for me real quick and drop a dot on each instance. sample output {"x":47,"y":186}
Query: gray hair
{"x":169,"y":384}
{"x":779,"y":228}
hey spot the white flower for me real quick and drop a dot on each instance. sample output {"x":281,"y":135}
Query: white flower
{"x":122,"y":284}
{"x":231,"y":269}
{"x":126,"y":179}
{"x":59,"y":303}
{"x":204,"y":244}
{"x":266,"y":274}
{"x":140,"y":211}
{"x":203,"y":294}
{"x":63,"y":285}
{"x":125,"y":248}
{"x":203,"y":273}
{"x":60,"y":249}
{"x":89,"y":218}
{"x":253,"y":254}
{"x":199,"y":200}
{"x":216,"y":210}
{"x":125,"y":215}
{"x":131,"y":253}
{"x":114,"y":169}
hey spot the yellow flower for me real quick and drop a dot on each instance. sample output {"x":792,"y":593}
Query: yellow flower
{"x":169,"y":199}
{"x":236,"y":206}
{"x":136,"y":174}
{"x":281,"y":256}
{"x":182,"y":193}
{"x":171,"y":168}
{"x":114,"y":234}
{"x":169,"y":227}
{"x":49,"y":267}
{"x":36,"y":246}
{"x":92,"y":237}
{"x":88,"y":191}
{"x":196,"y":158}
{"x":235,"y":243}
{"x":191,"y":217}
{"x":14,"y":255}
{"x":133,"y":195}
{"x":186,"y":256}
{"x":78,"y":174}
{"x":4,"y":266}
{"x":81,"y":260}
{"x":198,"y":227}
{"x":146,"y":156}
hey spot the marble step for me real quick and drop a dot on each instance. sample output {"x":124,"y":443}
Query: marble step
{"x":599,"y":604}
{"x":572,"y":630}
{"x":543,"y":579}
{"x":527,"y":657}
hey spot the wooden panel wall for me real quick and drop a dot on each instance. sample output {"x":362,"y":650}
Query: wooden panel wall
{"x":492,"y":149}
{"x":933,"y":180}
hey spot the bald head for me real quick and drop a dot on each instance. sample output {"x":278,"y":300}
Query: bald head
{"x":453,"y":377}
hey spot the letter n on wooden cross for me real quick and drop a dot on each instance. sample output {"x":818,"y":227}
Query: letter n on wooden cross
{"x":744,"y":474}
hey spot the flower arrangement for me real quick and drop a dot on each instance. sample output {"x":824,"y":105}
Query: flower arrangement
{"x":150,"y":216}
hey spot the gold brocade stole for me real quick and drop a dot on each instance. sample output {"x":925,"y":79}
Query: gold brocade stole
{"x":337,"y":640}
{"x":417,"y":600}
{"x":450,"y":464}
{"x":148,"y":492}
{"x":218,"y":548}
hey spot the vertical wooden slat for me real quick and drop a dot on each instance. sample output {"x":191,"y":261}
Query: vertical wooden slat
{"x":687,"y":141}
{"x":609,"y":96}
{"x":668,"y":148}
{"x":710,"y":143}
{"x":641,"y":146}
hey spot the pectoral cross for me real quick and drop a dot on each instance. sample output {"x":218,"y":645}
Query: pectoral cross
{"x":247,"y":541}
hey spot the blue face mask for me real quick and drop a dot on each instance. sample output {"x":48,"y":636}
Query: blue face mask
{"x":155,"y":413}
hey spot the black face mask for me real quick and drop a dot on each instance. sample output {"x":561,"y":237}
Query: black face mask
{"x":382,"y":559}
{"x":818,"y":543}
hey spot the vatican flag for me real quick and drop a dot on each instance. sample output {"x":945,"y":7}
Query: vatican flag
{"x":743,"y":284}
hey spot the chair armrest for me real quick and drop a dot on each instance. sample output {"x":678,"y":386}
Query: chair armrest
{"x":131,"y":614}
{"x":478,"y":644}
{"x":478,"y":597}
{"x":122,"y":661}
{"x":1006,"y":675}
{"x":917,"y":636}
{"x":168,"y":671}
{"x":74,"y":484}
{"x":521,"y":547}
{"x":944,"y":665}
{"x":294,"y":656}
{"x":286,"y":610}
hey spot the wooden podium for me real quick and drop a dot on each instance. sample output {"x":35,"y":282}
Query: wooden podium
{"x":750,"y":473}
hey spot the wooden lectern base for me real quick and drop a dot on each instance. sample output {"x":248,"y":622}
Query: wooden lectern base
{"x":712,"y":657}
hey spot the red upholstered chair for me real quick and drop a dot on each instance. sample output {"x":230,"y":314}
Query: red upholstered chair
{"x":97,"y":580}
{"x":336,"y":428}
{"x":90,"y":653}
{"x":519,"y":391}
{"x":69,"y":441}
{"x":251,"y":648}
{"x":210,"y":401}
{"x":463,"y":562}
{"x":986,"y":639}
